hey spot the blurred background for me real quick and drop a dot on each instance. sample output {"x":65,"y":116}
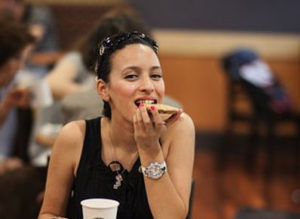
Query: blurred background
{"x":247,"y":162}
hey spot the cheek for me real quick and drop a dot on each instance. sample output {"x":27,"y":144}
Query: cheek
{"x":124,"y":90}
{"x":161,"y":88}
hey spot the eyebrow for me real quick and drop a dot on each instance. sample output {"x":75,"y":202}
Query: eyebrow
{"x":136,"y":68}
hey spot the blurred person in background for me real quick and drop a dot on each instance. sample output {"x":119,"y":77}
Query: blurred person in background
{"x":41,"y":24}
{"x":15,"y":44}
{"x":44,"y":53}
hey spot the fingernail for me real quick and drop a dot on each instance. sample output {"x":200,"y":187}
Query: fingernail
{"x":152,"y":108}
{"x":141,"y":105}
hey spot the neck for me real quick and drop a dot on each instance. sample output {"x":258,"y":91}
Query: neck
{"x":121,"y":134}
{"x":122,"y":148}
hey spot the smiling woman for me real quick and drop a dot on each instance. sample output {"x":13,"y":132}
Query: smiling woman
{"x":131,"y":154}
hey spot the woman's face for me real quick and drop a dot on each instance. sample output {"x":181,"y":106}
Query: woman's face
{"x":135,"y":77}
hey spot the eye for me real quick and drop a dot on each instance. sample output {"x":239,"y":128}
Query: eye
{"x":131,"y":76}
{"x":156,"y":76}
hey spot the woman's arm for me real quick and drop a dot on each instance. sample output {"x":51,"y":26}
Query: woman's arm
{"x":168,"y":196}
{"x":61,"y":79}
{"x":64,"y":159}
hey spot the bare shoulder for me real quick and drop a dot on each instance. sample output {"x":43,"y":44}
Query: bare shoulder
{"x":184,"y":124}
{"x":71,"y":135}
{"x":72,"y":131}
{"x":68,"y":145}
{"x":182,"y":130}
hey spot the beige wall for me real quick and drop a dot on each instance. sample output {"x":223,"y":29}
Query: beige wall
{"x":216,"y":43}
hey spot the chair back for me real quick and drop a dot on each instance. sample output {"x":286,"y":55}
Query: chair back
{"x":263,"y":89}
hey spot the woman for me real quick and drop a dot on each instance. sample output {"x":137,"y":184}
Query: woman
{"x":101,"y":157}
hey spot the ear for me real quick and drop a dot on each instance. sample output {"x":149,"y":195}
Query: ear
{"x":102,"y":89}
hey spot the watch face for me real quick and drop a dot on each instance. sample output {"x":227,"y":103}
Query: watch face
{"x":155,"y":170}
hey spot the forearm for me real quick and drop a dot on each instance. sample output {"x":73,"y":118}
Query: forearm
{"x":45,"y":58}
{"x":164,"y":200}
{"x":61,"y":88}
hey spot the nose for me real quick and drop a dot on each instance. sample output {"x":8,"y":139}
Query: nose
{"x":146,"y":84}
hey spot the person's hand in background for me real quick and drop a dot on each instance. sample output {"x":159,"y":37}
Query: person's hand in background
{"x":18,"y":97}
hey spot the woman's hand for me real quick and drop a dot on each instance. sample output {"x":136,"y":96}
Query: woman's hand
{"x":16,"y":97}
{"x":148,"y":126}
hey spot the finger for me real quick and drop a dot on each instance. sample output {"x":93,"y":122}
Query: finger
{"x":145,"y":117}
{"x":139,"y":120}
{"x":173,"y":118}
{"x":134,"y":119}
{"x":157,"y":120}
{"x":135,"y":122}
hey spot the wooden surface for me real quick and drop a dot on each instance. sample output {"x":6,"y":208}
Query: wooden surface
{"x":219,"y":194}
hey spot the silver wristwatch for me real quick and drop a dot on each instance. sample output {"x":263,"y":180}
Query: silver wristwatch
{"x":154,"y":170}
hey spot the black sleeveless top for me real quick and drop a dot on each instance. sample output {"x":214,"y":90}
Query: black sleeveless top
{"x":96,"y":180}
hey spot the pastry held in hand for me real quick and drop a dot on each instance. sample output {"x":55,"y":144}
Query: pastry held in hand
{"x":165,"y":111}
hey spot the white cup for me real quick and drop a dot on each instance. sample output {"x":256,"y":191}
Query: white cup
{"x":99,"y":208}
{"x":39,"y":88}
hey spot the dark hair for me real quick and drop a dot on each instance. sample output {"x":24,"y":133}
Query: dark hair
{"x":109,"y":46}
{"x":113,"y":22}
{"x":14,"y":36}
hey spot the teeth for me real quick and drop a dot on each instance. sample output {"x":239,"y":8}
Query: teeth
{"x":146,"y":101}
{"x":149,"y":101}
